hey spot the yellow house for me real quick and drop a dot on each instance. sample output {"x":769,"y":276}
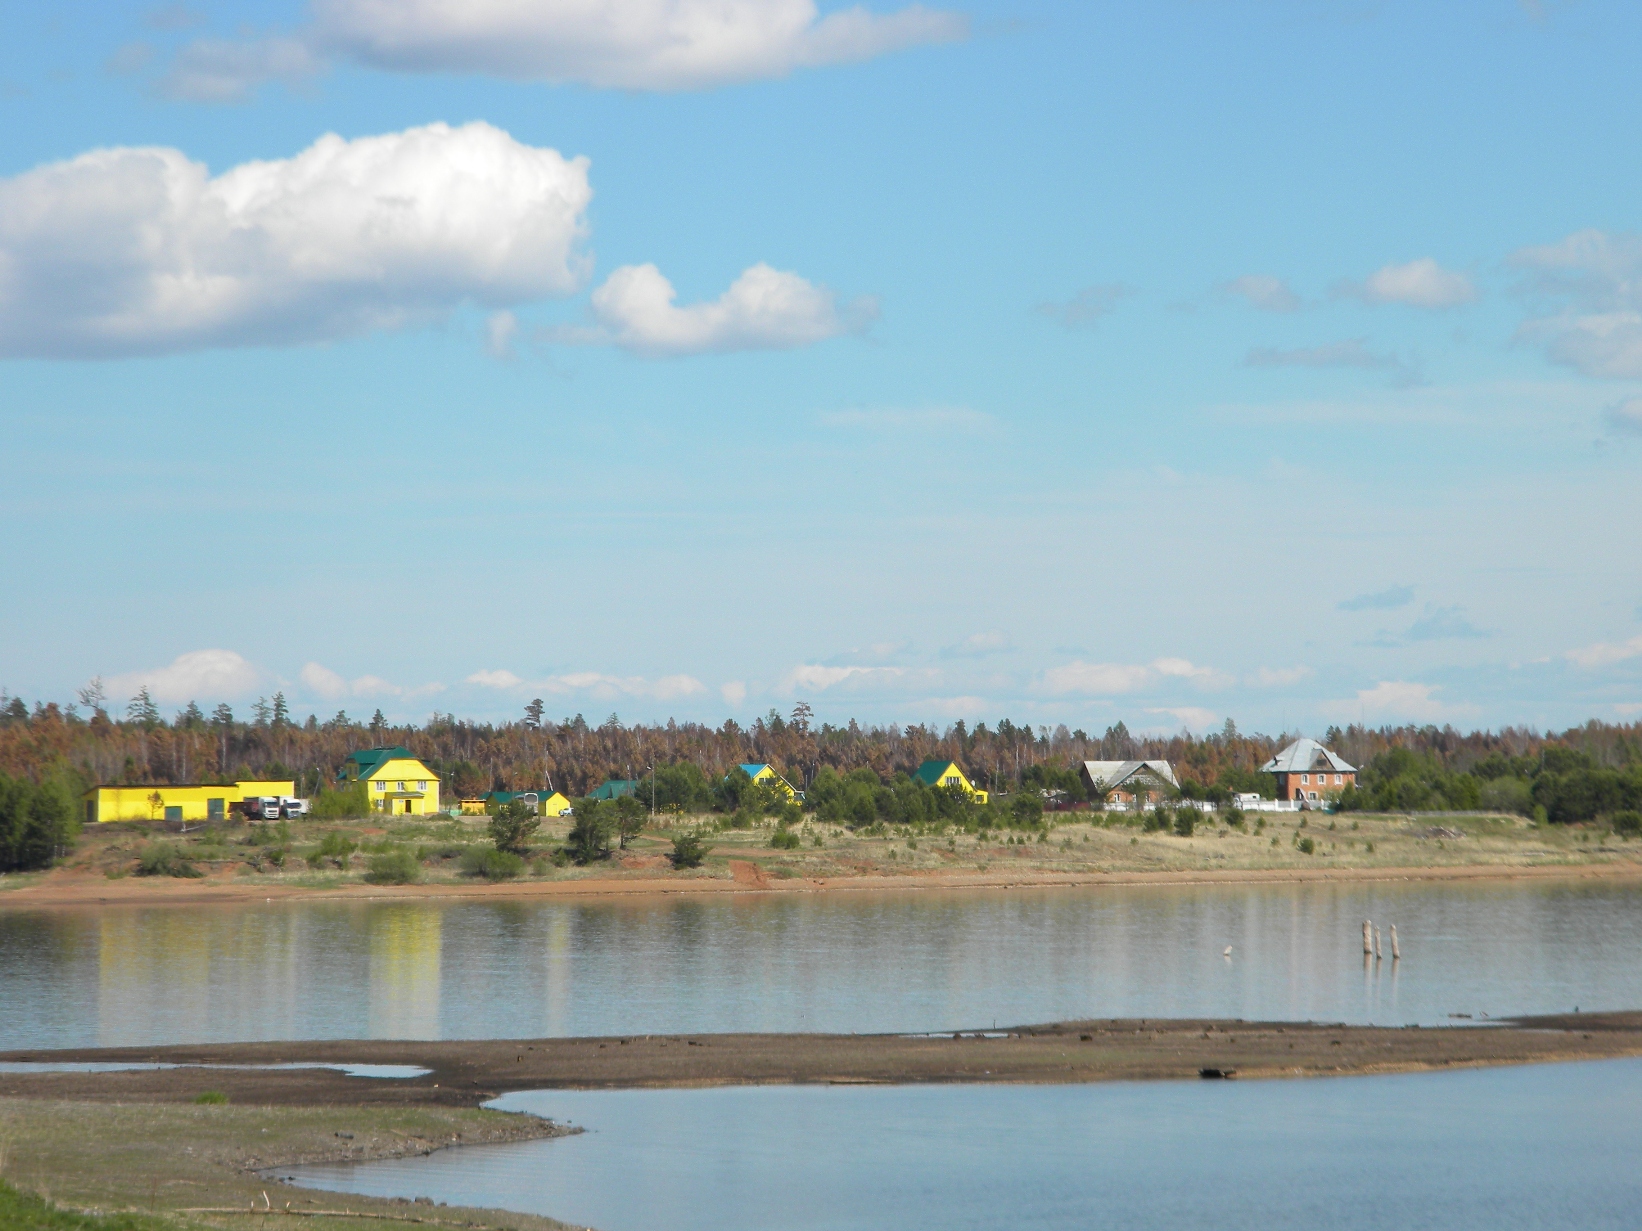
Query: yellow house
{"x":767,"y":775}
{"x":193,"y":801}
{"x":947,"y":773}
{"x":394,"y":781}
{"x":550,"y":803}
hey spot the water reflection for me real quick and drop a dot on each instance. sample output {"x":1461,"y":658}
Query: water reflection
{"x":855,"y":961}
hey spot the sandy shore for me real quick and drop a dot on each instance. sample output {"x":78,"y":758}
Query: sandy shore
{"x":70,"y":889}
{"x":466,"y":1073}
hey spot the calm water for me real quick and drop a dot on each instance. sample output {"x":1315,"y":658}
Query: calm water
{"x":911,"y":961}
{"x":1490,"y":1150}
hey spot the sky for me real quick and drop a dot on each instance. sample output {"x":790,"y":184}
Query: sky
{"x":1069,"y":362}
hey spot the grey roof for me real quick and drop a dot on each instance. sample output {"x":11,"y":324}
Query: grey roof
{"x":1304,"y":755}
{"x":1113,"y":774}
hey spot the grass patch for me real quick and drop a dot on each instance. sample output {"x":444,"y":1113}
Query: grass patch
{"x":492,"y":864}
{"x":211,"y":1098}
{"x":394,"y":868}
{"x":21,"y":1211}
{"x":164,"y":859}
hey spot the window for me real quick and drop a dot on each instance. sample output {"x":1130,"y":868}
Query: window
{"x":381,"y":786}
{"x":1313,"y":795}
{"x":173,"y":812}
{"x":1306,"y":778}
{"x":401,"y":786}
{"x":1336,"y":779}
{"x":422,"y":785}
{"x":214,"y":809}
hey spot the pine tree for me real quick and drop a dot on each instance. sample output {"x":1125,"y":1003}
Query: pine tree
{"x":378,"y":724}
{"x":142,"y":709}
{"x":192,"y":718}
{"x":260,"y":709}
{"x":282,"y":713}
{"x":222,"y":716}
{"x":533,"y":714}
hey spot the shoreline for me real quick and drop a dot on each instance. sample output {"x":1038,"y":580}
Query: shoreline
{"x":469,"y":1073}
{"x":748,"y":877}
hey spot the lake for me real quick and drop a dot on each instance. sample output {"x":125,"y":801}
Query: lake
{"x":1476,"y":1150}
{"x":881,"y":961}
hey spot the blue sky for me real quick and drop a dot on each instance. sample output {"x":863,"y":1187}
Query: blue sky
{"x":1066,"y":362}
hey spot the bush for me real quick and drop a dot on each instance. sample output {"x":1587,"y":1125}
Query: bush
{"x":1307,"y":846}
{"x":211,"y":1098}
{"x":332,"y":846}
{"x":1185,"y":820}
{"x":785,"y":839}
{"x":492,"y":864}
{"x":394,"y":868}
{"x":590,"y":834}
{"x":1627,"y":824}
{"x":689,"y":851}
{"x":346,"y":803}
{"x":163,"y":859}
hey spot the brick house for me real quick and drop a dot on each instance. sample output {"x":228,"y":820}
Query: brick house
{"x":1308,"y":772}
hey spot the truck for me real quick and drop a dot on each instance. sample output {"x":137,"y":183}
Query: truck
{"x":290,"y":807}
{"x":260,"y":807}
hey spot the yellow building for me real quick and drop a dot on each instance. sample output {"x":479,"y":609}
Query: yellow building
{"x":394,"y":781}
{"x":767,"y":775}
{"x":947,"y":773}
{"x":544,"y":803}
{"x":182,"y":802}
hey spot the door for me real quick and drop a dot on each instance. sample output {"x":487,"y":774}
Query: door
{"x":173,"y":812}
{"x":407,"y":807}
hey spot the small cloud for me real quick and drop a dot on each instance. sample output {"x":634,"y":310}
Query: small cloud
{"x":1279,"y":677}
{"x":1095,"y":679}
{"x":494,"y":679}
{"x":128,"y":59}
{"x":1628,"y":709}
{"x":500,"y":330}
{"x":1597,"y":276}
{"x":1351,"y":353}
{"x":763,"y":309}
{"x":213,"y":70}
{"x":323,"y":682}
{"x":1380,"y":600}
{"x":1085,"y":308}
{"x":1442,"y":624}
{"x":1394,"y":699}
{"x":735,"y":692}
{"x":1263,"y":291}
{"x":1626,"y":416}
{"x":814,"y":677}
{"x":189,"y":677}
{"x":1418,"y":284}
{"x":608,"y":687}
{"x":173,"y":17}
{"x":1192,"y":717}
{"x":978,"y":645}
{"x":920,"y":419}
{"x":1180,"y":668}
{"x":1605,"y":654}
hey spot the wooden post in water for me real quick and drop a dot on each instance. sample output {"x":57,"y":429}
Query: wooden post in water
{"x":1368,"y":937}
{"x":1376,"y":944}
{"x":1396,"y":953}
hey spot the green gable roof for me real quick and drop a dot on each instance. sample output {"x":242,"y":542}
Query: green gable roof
{"x":615,"y":788}
{"x":930,"y":773}
{"x":368,"y":760}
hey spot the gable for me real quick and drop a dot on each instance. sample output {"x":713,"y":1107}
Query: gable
{"x":400,"y":767}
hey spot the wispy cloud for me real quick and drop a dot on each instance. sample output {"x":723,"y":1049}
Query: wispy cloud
{"x":1626,"y":416}
{"x":1351,"y":353}
{"x":815,"y":677}
{"x":1605,"y":654}
{"x":978,"y":645}
{"x":1398,"y":699}
{"x":1443,"y":624}
{"x":1085,"y":309}
{"x":1263,"y":291}
{"x":1192,"y":717}
{"x":1279,"y":677}
{"x":1114,"y":679}
{"x":1596,"y":327}
{"x":320,"y":681}
{"x":1379,"y":600}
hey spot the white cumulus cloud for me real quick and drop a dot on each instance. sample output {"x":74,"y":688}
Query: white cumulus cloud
{"x":735,"y":692}
{"x":197,"y":675}
{"x":494,"y":679}
{"x":625,"y":44}
{"x":763,"y":309}
{"x":1418,"y":284}
{"x":141,"y":250}
{"x":321,"y":681}
{"x":1111,"y":679}
{"x":1192,"y":717}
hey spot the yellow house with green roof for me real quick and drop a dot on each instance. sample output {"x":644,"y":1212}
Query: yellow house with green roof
{"x":767,"y":775}
{"x":395,"y":781}
{"x":948,"y":774}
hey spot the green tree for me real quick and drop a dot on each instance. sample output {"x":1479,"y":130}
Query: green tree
{"x":533,"y":714}
{"x":590,"y":833}
{"x":512,"y":825}
{"x":141,"y":709}
{"x":192,"y":718}
{"x":222,"y":717}
{"x":628,"y":819}
{"x":261,"y":711}
{"x":281,"y":713}
{"x":36,"y":821}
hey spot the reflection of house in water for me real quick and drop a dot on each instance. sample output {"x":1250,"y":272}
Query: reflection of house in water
{"x":406,"y":944}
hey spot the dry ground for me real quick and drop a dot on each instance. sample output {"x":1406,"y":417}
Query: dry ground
{"x":1077,"y":848}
